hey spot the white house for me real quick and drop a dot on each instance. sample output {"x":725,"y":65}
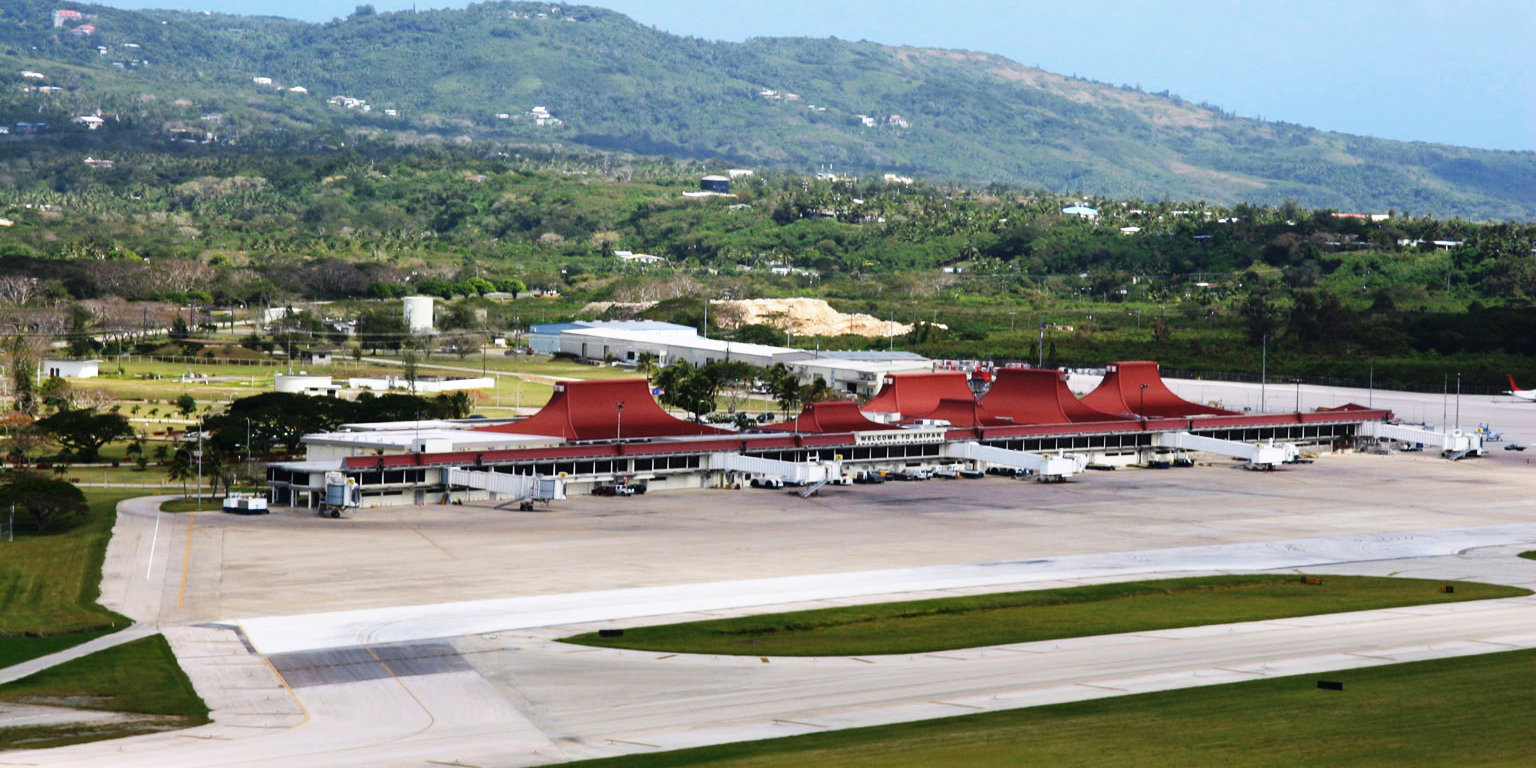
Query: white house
{"x":638,"y":258}
{"x":298,"y":89}
{"x":1080,"y":210}
{"x":71,"y":369}
{"x":91,"y":122}
{"x":262,"y":80}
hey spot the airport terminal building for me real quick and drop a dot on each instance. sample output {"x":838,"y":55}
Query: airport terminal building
{"x":593,"y":434}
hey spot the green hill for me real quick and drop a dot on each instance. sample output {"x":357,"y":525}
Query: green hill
{"x":610,"y":83}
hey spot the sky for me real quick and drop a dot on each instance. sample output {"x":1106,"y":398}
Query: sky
{"x":1419,"y":70}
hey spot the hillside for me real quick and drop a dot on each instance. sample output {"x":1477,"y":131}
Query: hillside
{"x":607,"y":82}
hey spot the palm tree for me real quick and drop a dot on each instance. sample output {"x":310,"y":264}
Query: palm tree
{"x":645,"y":364}
{"x":180,"y":469}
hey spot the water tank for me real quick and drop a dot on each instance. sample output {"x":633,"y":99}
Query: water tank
{"x":418,"y":313}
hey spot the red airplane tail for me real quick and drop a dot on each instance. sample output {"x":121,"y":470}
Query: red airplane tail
{"x":1513,"y":387}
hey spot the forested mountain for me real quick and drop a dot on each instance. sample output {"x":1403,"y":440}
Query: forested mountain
{"x":606,"y":82}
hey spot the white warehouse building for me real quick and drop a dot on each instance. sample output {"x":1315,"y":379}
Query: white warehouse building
{"x":624,"y":346}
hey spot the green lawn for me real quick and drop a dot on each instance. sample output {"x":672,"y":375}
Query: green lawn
{"x":49,"y":583}
{"x":1530,"y":555}
{"x":139,"y":677}
{"x":1019,"y":617}
{"x":1467,"y":711}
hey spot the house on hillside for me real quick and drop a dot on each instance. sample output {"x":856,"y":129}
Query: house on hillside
{"x":91,"y":122}
{"x":64,"y":14}
{"x":1082,"y":211}
{"x":637,"y":258}
{"x":298,"y":89}
{"x":714,"y":183}
{"x":262,"y":80}
{"x":98,"y":163}
{"x":84,"y":30}
{"x":71,"y":369}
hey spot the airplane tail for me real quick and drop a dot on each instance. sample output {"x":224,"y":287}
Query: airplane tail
{"x":1513,"y":387}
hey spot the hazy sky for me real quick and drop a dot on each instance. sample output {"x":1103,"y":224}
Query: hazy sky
{"x":1424,"y":70}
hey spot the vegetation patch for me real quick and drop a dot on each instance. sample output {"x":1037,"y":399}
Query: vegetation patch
{"x":1383,"y":715}
{"x":140,"y":678}
{"x":1529,"y":555}
{"x":49,"y":583}
{"x":1020,"y":617}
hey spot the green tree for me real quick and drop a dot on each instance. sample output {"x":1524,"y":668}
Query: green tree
{"x":83,"y":431}
{"x":186,"y":404}
{"x":48,"y":501}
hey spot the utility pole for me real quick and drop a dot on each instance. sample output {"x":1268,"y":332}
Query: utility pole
{"x":619,"y":430}
{"x":1040,"y":347}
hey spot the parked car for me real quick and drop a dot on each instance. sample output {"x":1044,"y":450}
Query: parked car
{"x":843,"y":479}
{"x":972,"y":474}
{"x":1514,"y":447}
{"x":612,"y":489}
{"x":767,"y":482}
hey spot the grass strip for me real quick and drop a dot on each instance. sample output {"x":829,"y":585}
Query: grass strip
{"x":1466,"y":711}
{"x":49,"y":583}
{"x":1529,"y":555}
{"x":1019,"y":617}
{"x":15,"y":650}
{"x":140,"y":677}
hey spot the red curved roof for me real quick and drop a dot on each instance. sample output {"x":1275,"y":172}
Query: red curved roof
{"x":831,"y":416}
{"x":910,"y":393}
{"x":1040,"y":396}
{"x":1122,"y":391}
{"x":589,"y":410}
{"x":963,"y":413}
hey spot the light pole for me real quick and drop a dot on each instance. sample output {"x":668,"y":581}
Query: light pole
{"x":1263,"y":371}
{"x":1370,"y":398}
{"x":199,"y":503}
{"x":247,"y":447}
{"x":1458,"y":400}
{"x":619,"y":431}
{"x":1040,"y":347}
{"x":1298,"y":394}
{"x":1143,"y":402}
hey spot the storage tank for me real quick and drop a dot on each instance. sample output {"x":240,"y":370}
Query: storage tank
{"x":418,"y":313}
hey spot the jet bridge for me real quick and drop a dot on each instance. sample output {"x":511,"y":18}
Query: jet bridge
{"x":809,"y":474}
{"x":1453,"y":445}
{"x":1047,"y":467}
{"x":1265,"y":455}
{"x":525,"y":489}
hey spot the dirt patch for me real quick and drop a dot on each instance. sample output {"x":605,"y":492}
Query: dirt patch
{"x":804,"y":317}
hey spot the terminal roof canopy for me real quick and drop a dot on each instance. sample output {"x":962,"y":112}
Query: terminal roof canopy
{"x":833,"y":416}
{"x":1137,"y":389}
{"x":915,"y":393}
{"x":589,"y":410}
{"x":963,"y":412}
{"x":1041,"y":396}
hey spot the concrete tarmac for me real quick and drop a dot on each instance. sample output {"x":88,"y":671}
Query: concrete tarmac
{"x":430,"y":636}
